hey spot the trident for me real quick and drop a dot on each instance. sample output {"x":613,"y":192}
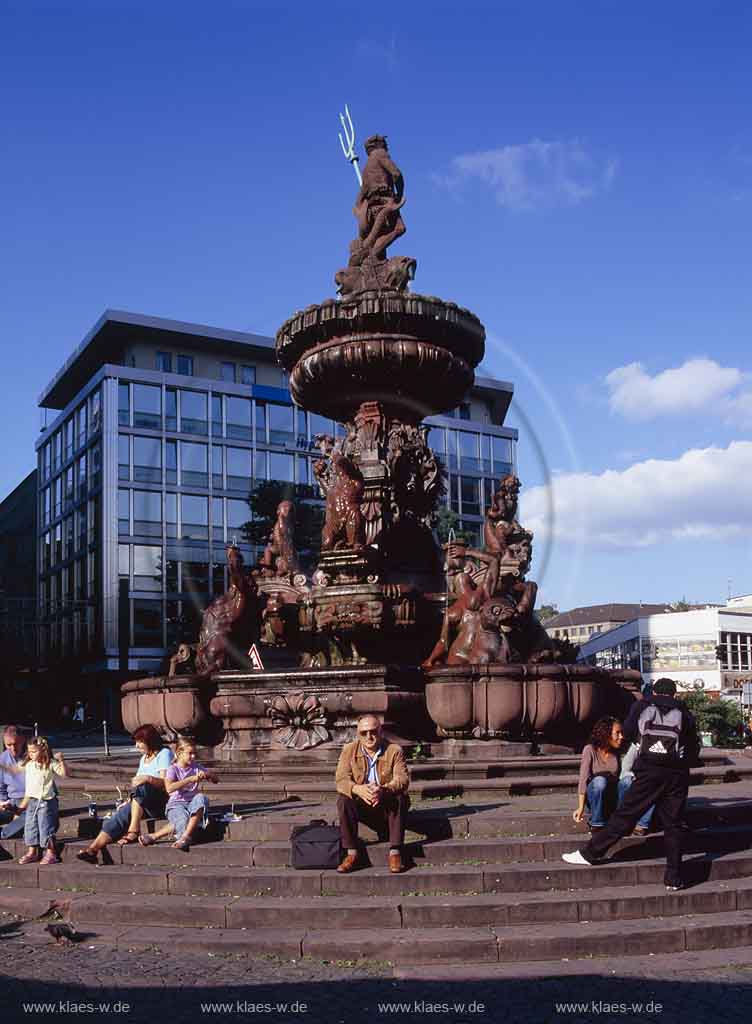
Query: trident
{"x":349,"y":148}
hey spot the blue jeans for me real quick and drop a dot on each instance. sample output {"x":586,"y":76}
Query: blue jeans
{"x":179,"y":814}
{"x":151,"y":798}
{"x":12,"y":827}
{"x":601,"y":792}
{"x":41,"y":821}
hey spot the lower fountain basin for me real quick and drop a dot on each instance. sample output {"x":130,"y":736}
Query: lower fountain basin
{"x":555,"y":702}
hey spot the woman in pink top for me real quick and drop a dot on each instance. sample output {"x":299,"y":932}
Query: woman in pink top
{"x":600,"y":785}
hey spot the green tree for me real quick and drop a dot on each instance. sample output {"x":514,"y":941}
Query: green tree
{"x":447,"y":520}
{"x":309,"y":516}
{"x":547,"y":611}
{"x":681,"y":606}
{"x":722,"y":718}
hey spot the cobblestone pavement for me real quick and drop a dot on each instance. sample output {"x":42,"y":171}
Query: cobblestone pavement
{"x":140,"y":986}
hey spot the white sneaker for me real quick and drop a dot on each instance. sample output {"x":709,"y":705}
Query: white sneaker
{"x":576,"y":858}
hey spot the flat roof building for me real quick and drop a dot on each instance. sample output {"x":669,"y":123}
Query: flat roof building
{"x":579,"y":624}
{"x":157,"y":431}
{"x":703,"y":649}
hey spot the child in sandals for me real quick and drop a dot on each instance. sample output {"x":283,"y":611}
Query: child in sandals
{"x":40,"y":802}
{"x":187,"y":808}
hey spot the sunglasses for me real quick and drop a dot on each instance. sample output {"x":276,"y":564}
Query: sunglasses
{"x":368,"y":732}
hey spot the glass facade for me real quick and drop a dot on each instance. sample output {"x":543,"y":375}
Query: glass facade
{"x":174,"y":468}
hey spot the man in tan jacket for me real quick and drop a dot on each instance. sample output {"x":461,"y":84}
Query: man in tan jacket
{"x":372,"y":783}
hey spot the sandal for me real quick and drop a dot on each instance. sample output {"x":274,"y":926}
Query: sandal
{"x":87,"y":856}
{"x":182,"y":844}
{"x":146,"y":840}
{"x":128,"y":839}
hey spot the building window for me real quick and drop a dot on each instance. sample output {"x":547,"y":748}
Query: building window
{"x":147,"y":406}
{"x":194,"y":578}
{"x":171,"y":515}
{"x":185,"y":365}
{"x":502,"y":455}
{"x":124,"y":457}
{"x":124,"y":405}
{"x":281,"y":424}
{"x":95,"y":411}
{"x":124,"y":512}
{"x":171,"y":409}
{"x":259,"y":466}
{"x":216,"y":456}
{"x":260,"y":423}
{"x":227,"y":372}
{"x":193,"y":464}
{"x":124,"y":561}
{"x":248,"y":375}
{"x":320,"y":425}
{"x":193,"y":415}
{"x":217,"y":519}
{"x":465,"y":411}
{"x":238,"y":413}
{"x":470,"y":494}
{"x":147,"y":513}
{"x":147,"y":623}
{"x":302,"y":469}
{"x":171,"y":462}
{"x":147,"y":460}
{"x":68,"y":434}
{"x":164,"y":362}
{"x":216,"y":411}
{"x":238,"y":514}
{"x":281,"y":467}
{"x":82,"y":489}
{"x":147,"y":567}
{"x":469,"y":450}
{"x":238,"y":462}
{"x":194,"y":517}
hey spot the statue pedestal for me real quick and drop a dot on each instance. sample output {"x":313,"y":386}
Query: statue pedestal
{"x":273,"y":716}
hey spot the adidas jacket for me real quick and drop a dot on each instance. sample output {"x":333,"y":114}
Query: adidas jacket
{"x":689,"y":739}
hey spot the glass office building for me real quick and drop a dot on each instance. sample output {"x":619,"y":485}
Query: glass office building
{"x":158,"y":431}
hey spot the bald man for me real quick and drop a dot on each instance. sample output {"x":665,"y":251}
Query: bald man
{"x":372,"y":783}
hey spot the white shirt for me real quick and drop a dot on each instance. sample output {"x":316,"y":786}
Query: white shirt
{"x":372,"y":775}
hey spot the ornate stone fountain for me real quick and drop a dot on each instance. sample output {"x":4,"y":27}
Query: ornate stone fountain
{"x":442,"y":645}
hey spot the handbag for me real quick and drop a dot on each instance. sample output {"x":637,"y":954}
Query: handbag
{"x":315,"y":846}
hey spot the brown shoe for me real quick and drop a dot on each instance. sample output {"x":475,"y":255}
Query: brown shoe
{"x":349,"y":864}
{"x":395,"y":863}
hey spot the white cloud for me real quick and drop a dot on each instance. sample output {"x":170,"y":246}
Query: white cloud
{"x":705,"y":494}
{"x":534,"y":174}
{"x":694,"y":385}
{"x":737,"y":410}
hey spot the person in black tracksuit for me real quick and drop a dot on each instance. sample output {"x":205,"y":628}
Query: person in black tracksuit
{"x":659,"y":780}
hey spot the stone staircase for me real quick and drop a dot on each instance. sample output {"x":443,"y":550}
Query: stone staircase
{"x":487,"y":892}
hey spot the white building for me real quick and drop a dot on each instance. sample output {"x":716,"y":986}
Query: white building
{"x":705,"y":649}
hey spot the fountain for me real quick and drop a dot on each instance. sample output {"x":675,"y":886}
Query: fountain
{"x":442,"y":645}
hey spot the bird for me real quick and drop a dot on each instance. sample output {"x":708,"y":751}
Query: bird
{"x":63,"y":932}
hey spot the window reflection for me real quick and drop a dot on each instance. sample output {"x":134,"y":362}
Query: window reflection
{"x":147,"y":406}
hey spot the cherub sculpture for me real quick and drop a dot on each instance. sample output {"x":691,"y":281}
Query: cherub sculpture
{"x":231,"y":622}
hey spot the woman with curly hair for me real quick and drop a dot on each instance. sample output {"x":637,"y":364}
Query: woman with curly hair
{"x":600,"y":784}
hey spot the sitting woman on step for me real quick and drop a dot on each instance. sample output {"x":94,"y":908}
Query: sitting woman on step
{"x":147,"y":797}
{"x":602,"y":785}
{"x":187,"y":808}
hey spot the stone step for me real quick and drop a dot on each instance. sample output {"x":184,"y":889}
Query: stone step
{"x":398,"y":911}
{"x":191,"y":878}
{"x":469,"y":788}
{"x":633,"y":965}
{"x":523,"y":943}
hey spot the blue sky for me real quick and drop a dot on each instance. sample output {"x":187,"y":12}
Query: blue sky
{"x":578,"y":174}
